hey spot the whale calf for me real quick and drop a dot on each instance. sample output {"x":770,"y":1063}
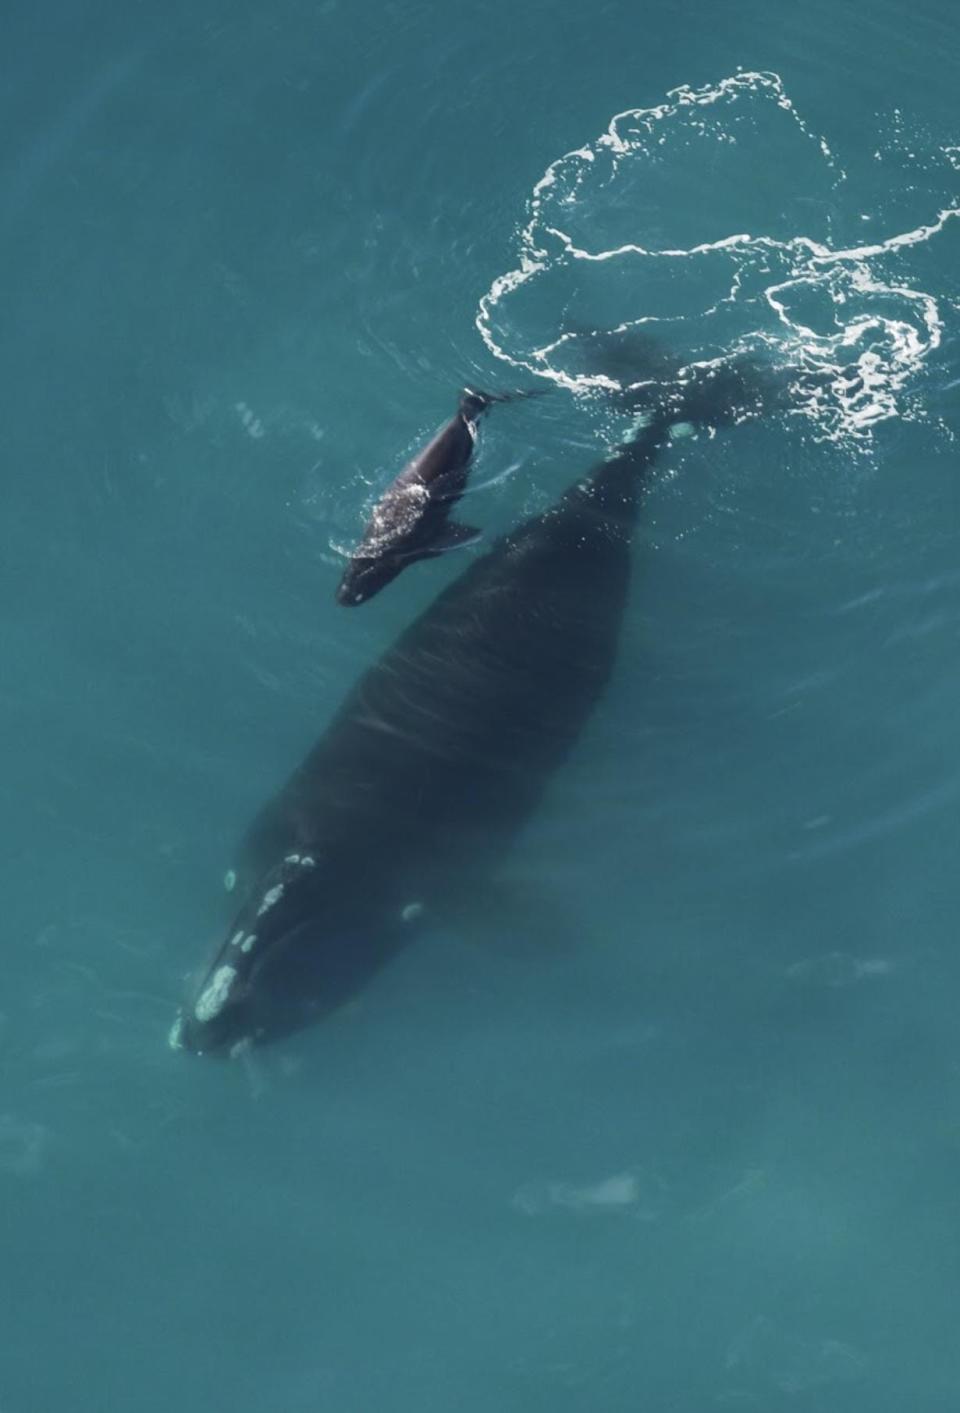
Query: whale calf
{"x":433,"y":764}
{"x":411,"y":520}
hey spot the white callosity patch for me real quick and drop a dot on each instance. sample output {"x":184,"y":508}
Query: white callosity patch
{"x":270,"y":898}
{"x":307,"y":862}
{"x":175,"y":1038}
{"x":230,"y":880}
{"x":215,"y":996}
{"x":237,"y":938}
{"x":249,"y":942}
{"x":764,"y":273}
{"x":411,"y":912}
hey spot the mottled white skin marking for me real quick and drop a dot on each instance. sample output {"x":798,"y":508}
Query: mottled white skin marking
{"x":411,"y":912}
{"x":175,"y":1038}
{"x":249,"y":943}
{"x":394,"y":517}
{"x":237,"y":938}
{"x":213,"y":1000}
{"x":272,"y":895}
{"x":229,"y":880}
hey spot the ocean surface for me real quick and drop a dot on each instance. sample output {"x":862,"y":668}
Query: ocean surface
{"x":704,"y":1152}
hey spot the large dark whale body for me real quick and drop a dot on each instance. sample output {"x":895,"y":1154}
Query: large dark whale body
{"x":432,"y":765}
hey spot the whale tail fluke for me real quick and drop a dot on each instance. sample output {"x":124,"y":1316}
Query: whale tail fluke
{"x":645,"y":378}
{"x":625,"y":359}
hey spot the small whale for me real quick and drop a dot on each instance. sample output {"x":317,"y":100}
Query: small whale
{"x":411,"y":520}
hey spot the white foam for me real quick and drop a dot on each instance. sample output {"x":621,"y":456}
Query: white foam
{"x":847,"y":318}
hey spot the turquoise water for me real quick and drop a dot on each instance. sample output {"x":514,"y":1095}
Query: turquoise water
{"x":685,"y":1132}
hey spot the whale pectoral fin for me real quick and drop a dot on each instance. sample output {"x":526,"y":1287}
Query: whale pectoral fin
{"x":454,"y":536}
{"x":517,"y":918}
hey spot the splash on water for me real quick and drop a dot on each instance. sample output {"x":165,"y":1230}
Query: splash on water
{"x":718,"y":225}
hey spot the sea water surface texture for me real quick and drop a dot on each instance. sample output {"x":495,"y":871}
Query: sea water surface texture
{"x":672,"y":1120}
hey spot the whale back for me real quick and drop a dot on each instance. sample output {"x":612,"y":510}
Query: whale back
{"x":447,"y":741}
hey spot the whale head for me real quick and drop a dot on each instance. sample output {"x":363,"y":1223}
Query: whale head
{"x":305,"y":939}
{"x":230,"y":1002}
{"x":365,"y":576}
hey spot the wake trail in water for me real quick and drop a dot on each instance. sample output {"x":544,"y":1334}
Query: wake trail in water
{"x":844,"y":319}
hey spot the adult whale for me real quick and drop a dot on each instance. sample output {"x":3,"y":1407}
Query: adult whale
{"x":432,"y":765}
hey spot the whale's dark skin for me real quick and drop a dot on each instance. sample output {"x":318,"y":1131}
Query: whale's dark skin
{"x":431,"y":767}
{"x":411,"y":520}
